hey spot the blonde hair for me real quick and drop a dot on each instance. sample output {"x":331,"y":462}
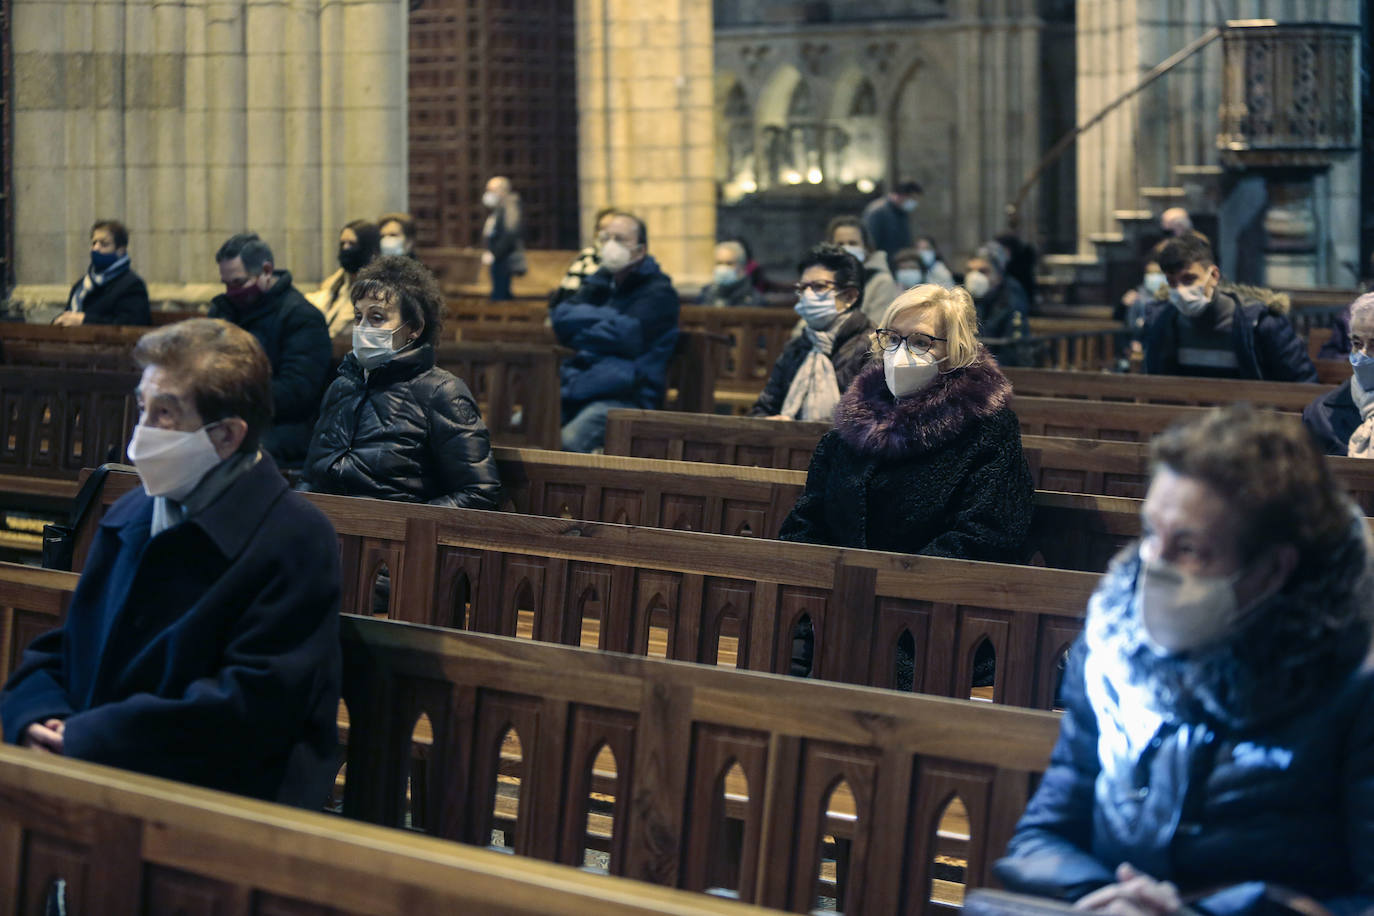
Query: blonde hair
{"x":958,"y":317}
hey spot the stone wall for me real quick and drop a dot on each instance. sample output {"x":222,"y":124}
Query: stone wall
{"x":195,"y":119}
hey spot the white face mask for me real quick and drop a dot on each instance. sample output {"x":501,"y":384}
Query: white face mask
{"x":907,"y":277}
{"x":927,"y":256}
{"x":818,"y":311}
{"x":906,"y":372}
{"x":393,"y":245}
{"x":1183,"y":611}
{"x":910,"y":204}
{"x":615,"y":255}
{"x":1153,"y":281}
{"x":724,"y":276}
{"x":1190,"y":300}
{"x":490,"y":199}
{"x":857,"y":251}
{"x":977,"y":283}
{"x":374,"y":347}
{"x":170,"y":462}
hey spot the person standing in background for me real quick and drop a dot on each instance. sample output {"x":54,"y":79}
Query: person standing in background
{"x":505,"y":252}
{"x":888,"y":219}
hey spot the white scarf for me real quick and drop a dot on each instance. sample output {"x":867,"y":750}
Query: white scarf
{"x":1361,"y":443}
{"x":92,"y":279}
{"x":815,"y":392}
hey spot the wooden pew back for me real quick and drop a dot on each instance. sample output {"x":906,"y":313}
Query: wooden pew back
{"x":123,"y":844}
{"x":1291,"y":397}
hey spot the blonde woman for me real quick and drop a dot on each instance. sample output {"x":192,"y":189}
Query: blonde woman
{"x":925,"y":456}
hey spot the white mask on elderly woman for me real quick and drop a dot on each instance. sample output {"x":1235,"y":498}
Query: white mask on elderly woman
{"x":1183,"y":611}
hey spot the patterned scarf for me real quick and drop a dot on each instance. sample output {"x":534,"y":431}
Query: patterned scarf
{"x":1362,"y":439}
{"x":93,"y":279}
{"x":815,"y":392}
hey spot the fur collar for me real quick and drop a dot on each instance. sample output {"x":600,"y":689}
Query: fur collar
{"x":873,"y":422}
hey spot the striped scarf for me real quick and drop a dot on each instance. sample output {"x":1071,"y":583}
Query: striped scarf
{"x":93,"y":280}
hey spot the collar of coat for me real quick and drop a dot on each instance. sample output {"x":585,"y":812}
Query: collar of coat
{"x":404,"y":365}
{"x":230,"y":521}
{"x":873,"y":422}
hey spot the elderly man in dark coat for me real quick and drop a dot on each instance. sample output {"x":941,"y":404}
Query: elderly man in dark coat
{"x":202,"y":642}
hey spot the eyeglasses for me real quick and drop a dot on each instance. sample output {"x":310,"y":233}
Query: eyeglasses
{"x":819,"y":288}
{"x":916,"y":342}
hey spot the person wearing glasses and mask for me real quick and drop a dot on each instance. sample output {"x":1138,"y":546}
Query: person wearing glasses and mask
{"x":1342,"y":421}
{"x":393,"y":425}
{"x":1211,"y":329}
{"x":1216,"y":753}
{"x":815,"y":368}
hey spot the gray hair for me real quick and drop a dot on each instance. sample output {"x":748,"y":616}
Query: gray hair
{"x":735,"y":248}
{"x":248,"y":247}
{"x":1362,"y":308}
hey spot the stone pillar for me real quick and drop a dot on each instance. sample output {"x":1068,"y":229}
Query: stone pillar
{"x":194,"y":120}
{"x":646,"y":125}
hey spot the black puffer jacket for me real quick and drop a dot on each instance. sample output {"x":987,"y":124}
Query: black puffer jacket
{"x":296,"y":339}
{"x":939,"y":473}
{"x":407,"y":431}
{"x":851,"y":354}
{"x":1238,"y":767}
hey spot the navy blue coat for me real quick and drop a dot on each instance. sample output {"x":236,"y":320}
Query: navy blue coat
{"x":1332,"y":418}
{"x":624,"y":334}
{"x":207,"y":654}
{"x":1265,"y":344}
{"x":123,"y":300}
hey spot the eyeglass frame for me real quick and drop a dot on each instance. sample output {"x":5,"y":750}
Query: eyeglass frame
{"x":818,"y":287}
{"x":902,"y":340}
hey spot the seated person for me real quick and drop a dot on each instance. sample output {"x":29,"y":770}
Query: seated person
{"x":359,"y":243}
{"x":730,"y":284}
{"x":587,"y":262}
{"x":1209,"y":329}
{"x":815,"y":369}
{"x":1218,"y":740}
{"x":623,"y":326}
{"x":109,"y":292}
{"x":879,"y":287}
{"x":921,"y":263}
{"x":202,"y":641}
{"x":260,"y":299}
{"x":1001,"y":302}
{"x":396,"y":234}
{"x":1342,"y":421}
{"x":1152,"y":287}
{"x":925,"y":456}
{"x":394,"y":425}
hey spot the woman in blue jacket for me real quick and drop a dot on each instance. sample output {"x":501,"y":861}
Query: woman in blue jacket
{"x":1217,"y":748}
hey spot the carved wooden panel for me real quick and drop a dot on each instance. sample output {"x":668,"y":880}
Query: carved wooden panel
{"x":726,"y":816}
{"x":173,"y":891}
{"x":492,"y":92}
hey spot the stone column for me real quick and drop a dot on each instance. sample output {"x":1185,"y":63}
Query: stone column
{"x":646,"y":126}
{"x":191,"y":121}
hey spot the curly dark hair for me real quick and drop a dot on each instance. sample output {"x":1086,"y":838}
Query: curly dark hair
{"x":849,"y":273}
{"x":407,"y":283}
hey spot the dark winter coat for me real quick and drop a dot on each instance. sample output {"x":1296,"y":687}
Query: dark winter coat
{"x":624,"y":331}
{"x":296,"y":338}
{"x":1223,"y":770}
{"x":939,"y":473}
{"x":852,"y":353}
{"x":123,"y":300}
{"x":1265,"y":345}
{"x":889,"y":226}
{"x":207,"y":654}
{"x":1004,"y":314}
{"x":406,"y":431}
{"x":1332,"y":418}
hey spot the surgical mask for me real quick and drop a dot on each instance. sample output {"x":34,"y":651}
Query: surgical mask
{"x":490,"y":199}
{"x":906,"y":372}
{"x":1364,"y":369}
{"x":1190,"y":300}
{"x":393,"y":245}
{"x":817,"y":311}
{"x":725,"y":276}
{"x":374,"y":347}
{"x":170,"y":462}
{"x":1153,"y":282}
{"x":927,"y":256}
{"x":907,"y":277}
{"x":910,"y":204}
{"x":1182,"y":611}
{"x":615,"y":255}
{"x":977,"y":284}
{"x":352,"y":259}
{"x":101,"y":262}
{"x":857,"y":251}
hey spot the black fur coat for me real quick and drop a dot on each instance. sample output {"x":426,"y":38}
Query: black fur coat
{"x":939,"y":473}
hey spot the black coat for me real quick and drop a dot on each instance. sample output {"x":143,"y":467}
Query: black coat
{"x":407,"y":431}
{"x":1245,"y":764}
{"x":852,"y":353}
{"x":208,"y":653}
{"x":939,"y":474}
{"x":1332,"y":418}
{"x":1265,"y":344}
{"x":296,"y":338}
{"x":123,"y":300}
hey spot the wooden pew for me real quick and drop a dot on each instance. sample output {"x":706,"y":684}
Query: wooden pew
{"x":1291,"y":397}
{"x":122,"y":843}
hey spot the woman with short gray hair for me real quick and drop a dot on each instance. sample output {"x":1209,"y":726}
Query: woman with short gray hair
{"x":1342,"y":421}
